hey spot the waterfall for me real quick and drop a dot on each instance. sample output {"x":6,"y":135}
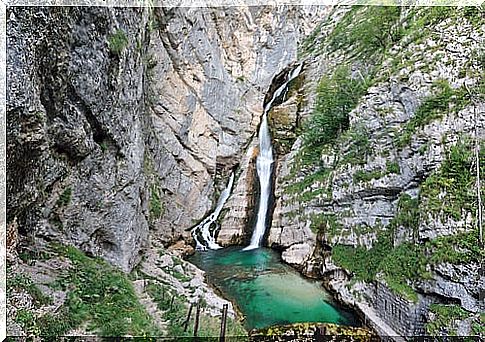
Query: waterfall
{"x":204,"y":233}
{"x":264,"y":163}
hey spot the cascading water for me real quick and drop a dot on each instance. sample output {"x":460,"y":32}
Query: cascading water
{"x":204,"y":233}
{"x":264,"y":163}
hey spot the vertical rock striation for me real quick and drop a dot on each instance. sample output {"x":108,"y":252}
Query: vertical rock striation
{"x":76,"y":117}
{"x":124,"y":123}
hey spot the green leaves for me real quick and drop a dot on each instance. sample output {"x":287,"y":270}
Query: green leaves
{"x":434,"y":107}
{"x":117,"y":42}
{"x":98,"y":294}
{"x":368,"y":30}
{"x":337,"y":95}
{"x":449,"y":191}
{"x":445,"y":316}
{"x":156,"y":206}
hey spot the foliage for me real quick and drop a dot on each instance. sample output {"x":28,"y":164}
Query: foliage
{"x":22,"y":282}
{"x":65,"y":198}
{"x":367,"y":30}
{"x":175,"y":311}
{"x":405,"y":263}
{"x":358,"y":146}
{"x":26,"y":319}
{"x":98,"y":294}
{"x":407,"y":215}
{"x":398,"y":265}
{"x":337,"y":95}
{"x":326,"y":223}
{"x":362,"y":262}
{"x":445,"y":316}
{"x":309,"y":43}
{"x":393,"y":167}
{"x":459,"y":248}
{"x":450,"y":190}
{"x":434,"y":107}
{"x":156,"y":206}
{"x":366,"y":176}
{"x":117,"y":42}
{"x":301,"y":188}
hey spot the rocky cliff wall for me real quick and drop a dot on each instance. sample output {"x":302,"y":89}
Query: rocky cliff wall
{"x":75,"y":128}
{"x":380,"y":177}
{"x":125,"y":123}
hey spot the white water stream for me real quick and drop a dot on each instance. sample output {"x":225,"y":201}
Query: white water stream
{"x":264,"y":164}
{"x":206,"y":230}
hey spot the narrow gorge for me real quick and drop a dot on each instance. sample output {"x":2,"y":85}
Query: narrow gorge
{"x":310,"y":170}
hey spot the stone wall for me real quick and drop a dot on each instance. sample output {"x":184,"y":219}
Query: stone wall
{"x":405,"y":317}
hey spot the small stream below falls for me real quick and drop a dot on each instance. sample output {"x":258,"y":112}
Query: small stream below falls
{"x":267,"y":291}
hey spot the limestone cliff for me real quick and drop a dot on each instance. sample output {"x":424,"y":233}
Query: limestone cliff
{"x":123,"y":123}
{"x":378,"y":193}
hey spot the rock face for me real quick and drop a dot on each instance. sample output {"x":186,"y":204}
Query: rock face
{"x":75,"y":123}
{"x":419,"y":116}
{"x":125,"y":123}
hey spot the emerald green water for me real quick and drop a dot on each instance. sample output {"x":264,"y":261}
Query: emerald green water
{"x":267,"y":291}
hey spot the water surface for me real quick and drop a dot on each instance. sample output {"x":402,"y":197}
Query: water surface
{"x":267,"y":291}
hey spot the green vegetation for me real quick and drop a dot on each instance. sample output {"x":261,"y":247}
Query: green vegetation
{"x":97,"y":294}
{"x":362,"y":262}
{"x":301,"y":188}
{"x":450,"y":191}
{"x":337,"y":95}
{"x":425,"y":18}
{"x":432,"y":108}
{"x":117,"y":42}
{"x":156,"y":206}
{"x":367,"y":30}
{"x":398,"y":265}
{"x":65,"y":198}
{"x":26,"y":318}
{"x":393,"y":167}
{"x":407,"y":215}
{"x":357,"y":146}
{"x":326,"y":223}
{"x":104,"y":146}
{"x":175,"y":311}
{"x":445,"y":317}
{"x":309,"y":43}
{"x":460,"y":248}
{"x":478,"y":327}
{"x":366,"y":176}
{"x":21,"y":282}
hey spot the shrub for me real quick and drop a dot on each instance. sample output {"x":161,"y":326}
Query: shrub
{"x":156,"y":206}
{"x":434,"y":107}
{"x":358,"y":148}
{"x":445,"y":317}
{"x":366,"y":176}
{"x":367,"y":29}
{"x":450,"y":190}
{"x":24,"y":283}
{"x":98,"y":294}
{"x":117,"y":42}
{"x":337,"y":95}
{"x":65,"y":198}
{"x":393,"y":167}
